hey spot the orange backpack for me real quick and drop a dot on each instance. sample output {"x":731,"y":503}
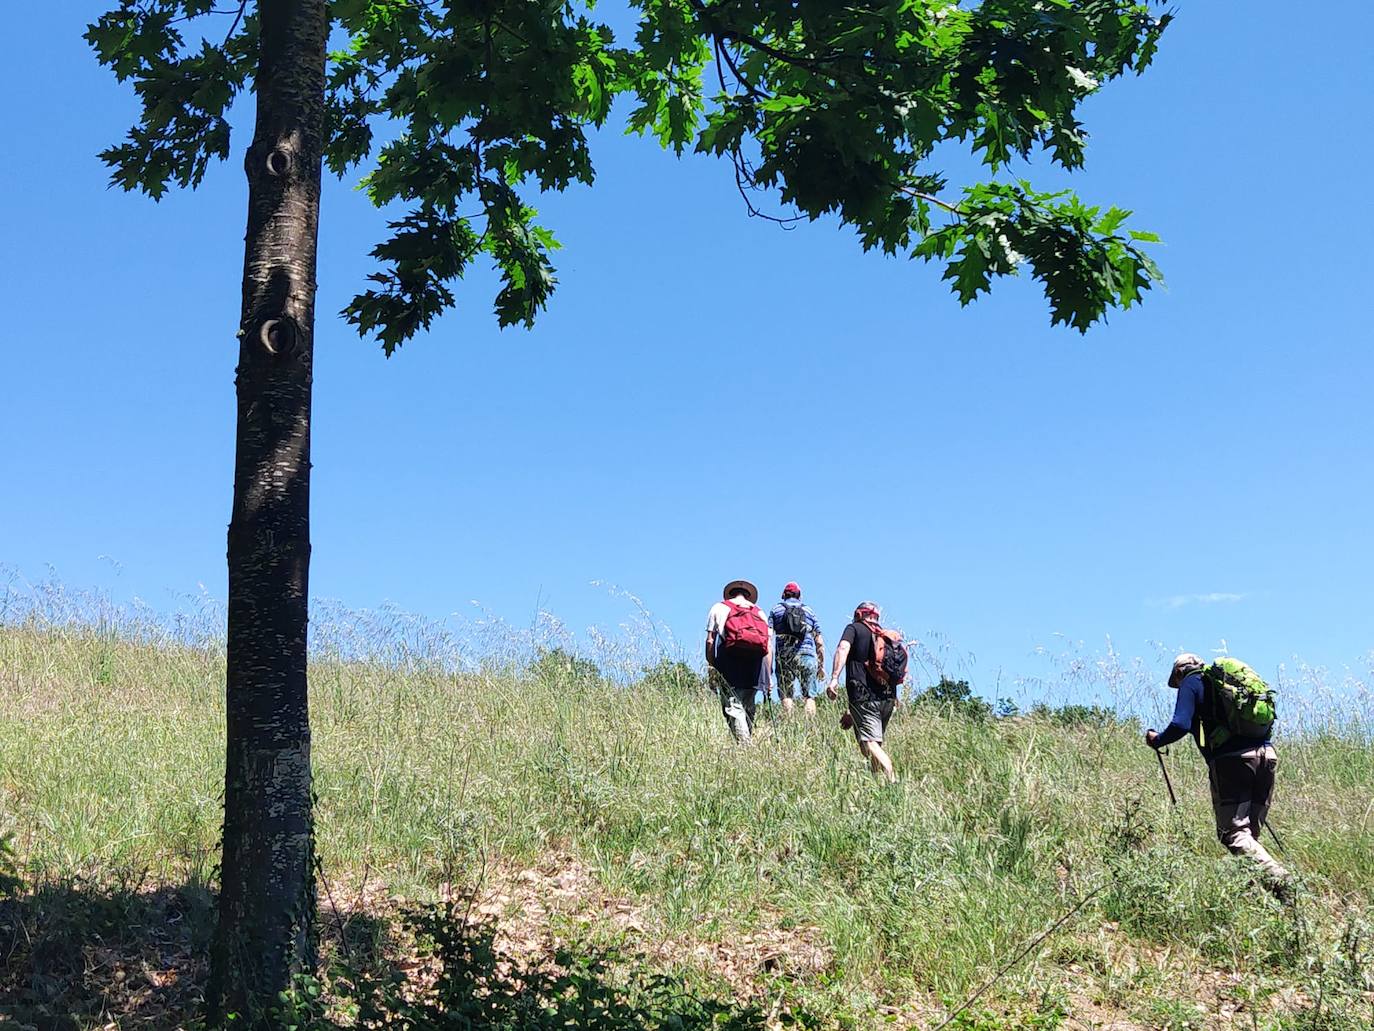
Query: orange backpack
{"x":886,"y":665}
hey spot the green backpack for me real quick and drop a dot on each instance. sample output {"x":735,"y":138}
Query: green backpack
{"x":1242,"y":704}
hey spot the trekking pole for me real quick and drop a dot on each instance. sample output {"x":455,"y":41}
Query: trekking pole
{"x":1173,"y":799}
{"x":1275,"y":835}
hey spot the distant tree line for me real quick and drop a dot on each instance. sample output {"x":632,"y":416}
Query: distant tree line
{"x":558,"y":666}
{"x":956,"y":697}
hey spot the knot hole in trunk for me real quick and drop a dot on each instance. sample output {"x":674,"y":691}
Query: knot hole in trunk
{"x":279,"y":337}
{"x":278,"y":162}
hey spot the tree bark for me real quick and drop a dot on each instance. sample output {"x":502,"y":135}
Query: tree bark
{"x":266,"y":932}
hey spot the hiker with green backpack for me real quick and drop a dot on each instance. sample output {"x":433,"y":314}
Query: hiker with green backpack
{"x":1230,"y":712}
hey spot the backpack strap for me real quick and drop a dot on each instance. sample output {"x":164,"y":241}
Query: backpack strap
{"x":1211,"y":729}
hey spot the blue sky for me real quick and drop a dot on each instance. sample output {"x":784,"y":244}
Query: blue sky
{"x":1197,"y":470}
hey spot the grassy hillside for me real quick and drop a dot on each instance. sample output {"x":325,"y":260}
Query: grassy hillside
{"x":579,"y":815}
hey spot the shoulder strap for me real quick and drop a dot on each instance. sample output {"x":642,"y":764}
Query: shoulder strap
{"x":1209,"y":716}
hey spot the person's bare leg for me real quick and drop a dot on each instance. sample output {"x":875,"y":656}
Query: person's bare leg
{"x":879,"y":762}
{"x":810,"y":708}
{"x":787,"y":705}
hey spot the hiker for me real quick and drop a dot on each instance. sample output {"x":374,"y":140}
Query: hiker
{"x":1230,"y":713}
{"x":874,"y":664}
{"x":799,"y":650}
{"x":739,"y":648}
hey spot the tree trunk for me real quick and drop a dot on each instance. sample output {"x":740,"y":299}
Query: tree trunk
{"x":267,"y":901}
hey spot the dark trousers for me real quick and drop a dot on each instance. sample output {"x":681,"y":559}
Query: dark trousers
{"x":1242,"y":785}
{"x":744,"y":675}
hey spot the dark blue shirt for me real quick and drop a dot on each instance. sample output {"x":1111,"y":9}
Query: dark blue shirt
{"x":1187,"y":719}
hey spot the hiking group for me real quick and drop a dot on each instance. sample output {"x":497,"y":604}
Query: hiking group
{"x":750,"y":652}
{"x":1225,"y":706}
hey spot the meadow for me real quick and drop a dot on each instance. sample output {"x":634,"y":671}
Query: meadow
{"x":564,"y":814}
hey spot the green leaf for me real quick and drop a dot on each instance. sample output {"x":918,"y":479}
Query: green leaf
{"x":1111,"y":221}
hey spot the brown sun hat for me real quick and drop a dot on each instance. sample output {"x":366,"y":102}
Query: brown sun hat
{"x":734,"y":587}
{"x":1183,"y":665}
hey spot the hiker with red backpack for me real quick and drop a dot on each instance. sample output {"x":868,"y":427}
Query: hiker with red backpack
{"x":1230,"y":712}
{"x":739,"y":648}
{"x":874,"y":661}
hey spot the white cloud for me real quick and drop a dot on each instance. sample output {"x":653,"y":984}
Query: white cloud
{"x":1178,"y":601}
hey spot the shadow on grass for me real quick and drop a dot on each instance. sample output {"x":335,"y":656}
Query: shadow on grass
{"x":74,"y":955}
{"x":77,"y":955}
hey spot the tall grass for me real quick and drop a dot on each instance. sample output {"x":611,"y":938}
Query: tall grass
{"x":438,"y":763}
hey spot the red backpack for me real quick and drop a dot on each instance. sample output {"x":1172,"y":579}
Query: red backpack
{"x":746,"y":631}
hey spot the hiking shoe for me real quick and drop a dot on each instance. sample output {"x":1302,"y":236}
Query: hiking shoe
{"x":1285,"y":890}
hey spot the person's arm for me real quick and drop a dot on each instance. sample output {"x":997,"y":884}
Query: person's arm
{"x":841,"y":653}
{"x":711,"y":627}
{"x":820,"y":644}
{"x":1185,"y":706}
{"x":772,"y":617}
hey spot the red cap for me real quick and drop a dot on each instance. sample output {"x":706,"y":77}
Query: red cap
{"x":792,"y":588}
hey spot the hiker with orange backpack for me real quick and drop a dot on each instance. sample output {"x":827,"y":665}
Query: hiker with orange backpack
{"x":739,"y":648}
{"x":1230,"y":712}
{"x":874,"y":661}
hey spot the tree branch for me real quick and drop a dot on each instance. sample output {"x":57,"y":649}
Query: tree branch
{"x":724,"y":32}
{"x":1020,"y":956}
{"x":243,"y":6}
{"x":953,"y":209}
{"x":744,"y":182}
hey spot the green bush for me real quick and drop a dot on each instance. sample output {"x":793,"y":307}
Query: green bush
{"x":672,"y":676}
{"x":560,"y":668}
{"x":1049,"y":1015}
{"x":954,"y":698}
{"x":1077,"y":715}
{"x":470,"y":983}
